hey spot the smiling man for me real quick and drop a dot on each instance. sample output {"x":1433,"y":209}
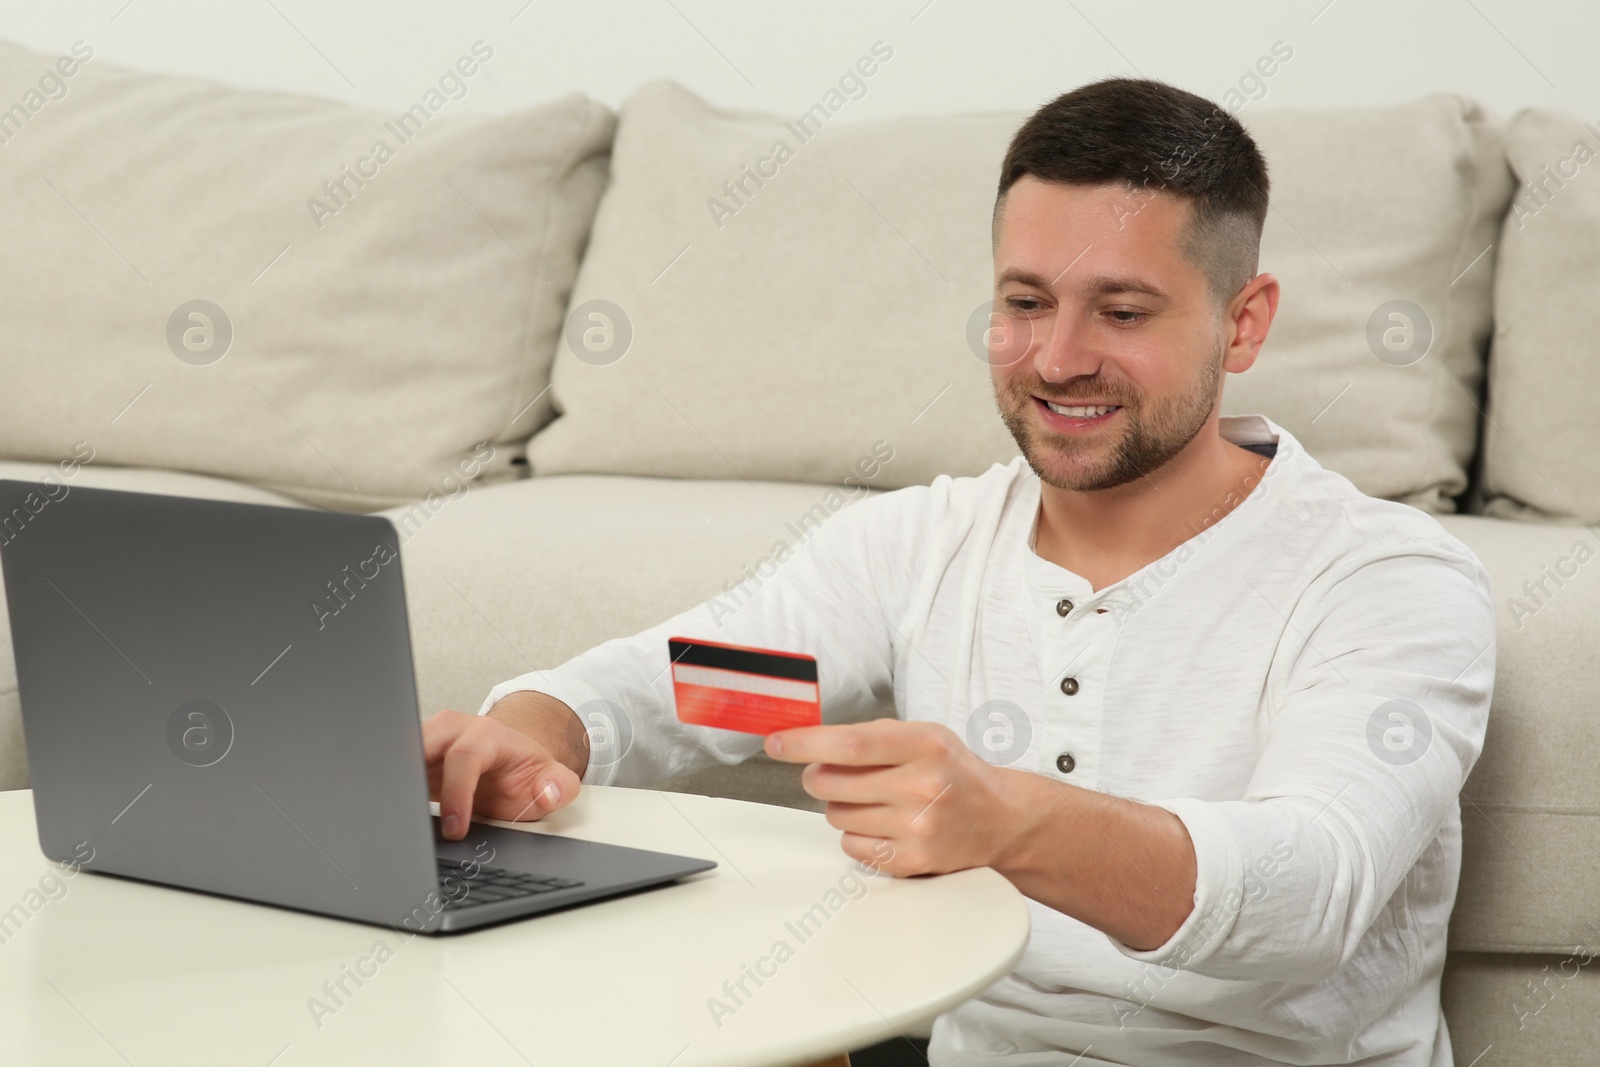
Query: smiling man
{"x":1206,"y":704}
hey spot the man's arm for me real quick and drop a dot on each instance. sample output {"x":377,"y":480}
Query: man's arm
{"x":549,"y":722}
{"x":913,"y":799}
{"x":835,"y":595}
{"x":1382,"y":717}
{"x":1125,"y":868}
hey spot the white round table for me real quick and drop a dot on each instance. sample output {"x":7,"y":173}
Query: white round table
{"x":102,"y":970}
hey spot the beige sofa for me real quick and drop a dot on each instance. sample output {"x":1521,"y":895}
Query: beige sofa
{"x":600,"y":367}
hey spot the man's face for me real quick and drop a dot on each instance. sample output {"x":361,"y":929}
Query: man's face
{"x":1096,"y":305}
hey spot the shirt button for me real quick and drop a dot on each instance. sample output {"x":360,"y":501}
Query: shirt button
{"x":1063,"y":607}
{"x":1069,"y":686}
{"x":1065,"y":763}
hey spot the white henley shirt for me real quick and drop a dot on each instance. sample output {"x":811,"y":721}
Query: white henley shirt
{"x":1305,"y":683}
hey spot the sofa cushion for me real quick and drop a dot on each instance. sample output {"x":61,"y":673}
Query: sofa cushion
{"x":371,"y":314}
{"x":764,"y":300}
{"x":1530,"y":813}
{"x":1530,"y":1009}
{"x":63,"y":477}
{"x":1542,"y":453}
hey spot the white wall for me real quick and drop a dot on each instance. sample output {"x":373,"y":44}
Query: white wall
{"x":949,"y":55}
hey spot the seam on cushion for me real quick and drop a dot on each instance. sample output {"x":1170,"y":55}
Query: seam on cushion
{"x":1511,"y":948}
{"x":299,"y":492}
{"x":1540,"y":809}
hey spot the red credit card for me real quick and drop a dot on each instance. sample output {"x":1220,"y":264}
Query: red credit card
{"x":734,"y":687}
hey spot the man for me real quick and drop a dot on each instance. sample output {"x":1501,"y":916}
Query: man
{"x":1204,"y":703}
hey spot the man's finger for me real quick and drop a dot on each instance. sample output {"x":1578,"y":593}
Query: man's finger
{"x":463,"y":765}
{"x":439,"y":732}
{"x":880,"y":743}
{"x":868,"y":820}
{"x":874,"y":853}
{"x":848,"y":784}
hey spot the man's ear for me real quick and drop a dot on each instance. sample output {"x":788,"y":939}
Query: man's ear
{"x":1249,"y":316}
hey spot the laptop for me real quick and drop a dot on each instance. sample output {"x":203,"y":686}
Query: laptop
{"x":220,"y":697}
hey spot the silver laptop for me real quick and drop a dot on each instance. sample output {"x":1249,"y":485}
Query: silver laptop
{"x":220,"y":697}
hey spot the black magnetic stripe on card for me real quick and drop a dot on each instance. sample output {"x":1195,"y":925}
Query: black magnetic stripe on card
{"x":802,"y":669}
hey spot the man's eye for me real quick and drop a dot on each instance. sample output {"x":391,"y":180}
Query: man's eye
{"x":1024,"y":303}
{"x":1128,"y":318}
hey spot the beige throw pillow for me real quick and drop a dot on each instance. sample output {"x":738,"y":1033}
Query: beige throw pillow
{"x":351,"y":307}
{"x":1542,"y":451}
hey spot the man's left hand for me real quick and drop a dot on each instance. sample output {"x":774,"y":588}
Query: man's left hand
{"x":911,"y":797}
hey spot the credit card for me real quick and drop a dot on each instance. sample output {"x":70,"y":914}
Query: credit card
{"x":736,"y":687}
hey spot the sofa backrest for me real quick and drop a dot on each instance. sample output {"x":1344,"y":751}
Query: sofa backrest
{"x":359,"y":309}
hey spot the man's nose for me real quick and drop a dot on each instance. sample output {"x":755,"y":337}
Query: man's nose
{"x":1064,"y":351}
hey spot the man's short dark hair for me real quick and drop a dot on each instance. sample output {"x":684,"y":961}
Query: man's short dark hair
{"x":1148,"y":135}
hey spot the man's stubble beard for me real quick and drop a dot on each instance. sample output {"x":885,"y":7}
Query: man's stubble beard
{"x":1145,"y":442}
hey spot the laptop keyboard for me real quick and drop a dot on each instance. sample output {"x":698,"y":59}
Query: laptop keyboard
{"x":491,"y":884}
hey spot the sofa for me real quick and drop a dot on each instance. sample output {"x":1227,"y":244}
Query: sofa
{"x":597,"y":366}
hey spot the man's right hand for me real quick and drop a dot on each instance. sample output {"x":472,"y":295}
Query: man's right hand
{"x":520,"y":761}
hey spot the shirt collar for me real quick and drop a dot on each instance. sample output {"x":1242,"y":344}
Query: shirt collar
{"x":1049,"y":578}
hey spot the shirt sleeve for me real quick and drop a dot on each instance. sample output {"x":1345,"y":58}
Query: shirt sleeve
{"x":836,"y":594}
{"x":1375,"y":726}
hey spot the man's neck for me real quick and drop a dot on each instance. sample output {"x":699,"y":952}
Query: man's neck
{"x":1106,"y":535}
